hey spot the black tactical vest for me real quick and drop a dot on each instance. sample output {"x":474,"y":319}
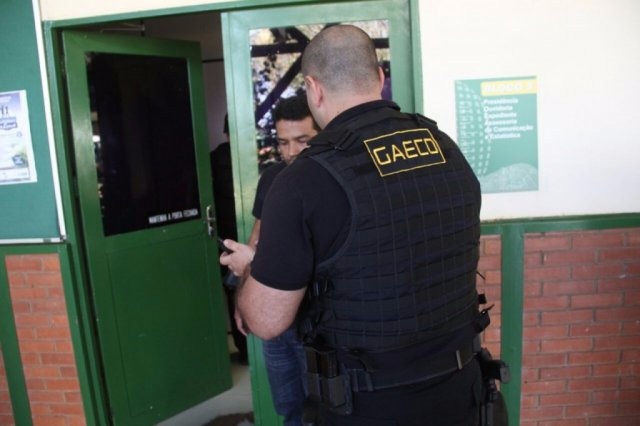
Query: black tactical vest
{"x":406,"y":273}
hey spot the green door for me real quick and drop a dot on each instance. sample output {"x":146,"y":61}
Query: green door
{"x":144,"y":195}
{"x":262,"y":50}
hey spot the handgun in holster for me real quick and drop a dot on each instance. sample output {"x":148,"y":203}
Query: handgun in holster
{"x":325,"y":385}
{"x":493,"y":410}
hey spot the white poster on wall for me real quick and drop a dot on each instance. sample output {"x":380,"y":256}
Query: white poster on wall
{"x":17,"y":163}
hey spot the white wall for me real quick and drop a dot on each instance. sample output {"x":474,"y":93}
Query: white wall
{"x":586,"y":57}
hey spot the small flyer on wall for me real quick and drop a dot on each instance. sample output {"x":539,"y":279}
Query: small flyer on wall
{"x":17,"y":164}
{"x":498,"y":131}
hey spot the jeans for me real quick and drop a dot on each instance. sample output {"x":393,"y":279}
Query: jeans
{"x":285,"y":361}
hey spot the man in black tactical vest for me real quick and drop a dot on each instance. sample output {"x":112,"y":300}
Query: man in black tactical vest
{"x":369,"y":241}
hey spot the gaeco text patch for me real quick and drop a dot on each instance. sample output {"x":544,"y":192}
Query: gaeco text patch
{"x":404,"y":150}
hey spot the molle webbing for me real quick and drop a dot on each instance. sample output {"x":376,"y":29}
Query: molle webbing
{"x":407,"y":270}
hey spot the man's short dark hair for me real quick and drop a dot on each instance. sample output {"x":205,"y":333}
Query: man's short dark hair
{"x":294,"y":108}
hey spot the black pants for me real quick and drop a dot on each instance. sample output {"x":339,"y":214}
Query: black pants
{"x":451,"y":400}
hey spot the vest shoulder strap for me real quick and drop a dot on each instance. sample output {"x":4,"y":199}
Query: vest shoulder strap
{"x":345,"y":137}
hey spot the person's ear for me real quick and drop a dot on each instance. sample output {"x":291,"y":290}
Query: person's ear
{"x":381,"y":78}
{"x":314,"y":91}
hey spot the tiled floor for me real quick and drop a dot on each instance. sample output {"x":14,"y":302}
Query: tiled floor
{"x":235,"y":400}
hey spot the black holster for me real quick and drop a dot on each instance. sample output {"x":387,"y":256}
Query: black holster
{"x":493,"y":410}
{"x":324,"y":383}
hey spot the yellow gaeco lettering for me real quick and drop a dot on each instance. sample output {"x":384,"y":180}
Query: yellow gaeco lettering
{"x":404,"y":150}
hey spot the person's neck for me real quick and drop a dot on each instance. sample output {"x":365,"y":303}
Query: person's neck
{"x":341,"y":103}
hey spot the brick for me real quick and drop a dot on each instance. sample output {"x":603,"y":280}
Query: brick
{"x":23,"y":263}
{"x":493,"y":277}
{"x":51,"y":263}
{"x":598,"y":240}
{"x":629,"y":382}
{"x":530,"y":375}
{"x":57,"y":359}
{"x":614,"y":421}
{"x":567,"y":345}
{"x":531,"y":346}
{"x":530,"y":401}
{"x":17,"y":279}
{"x":616,"y":342}
{"x":633,"y":237}
{"x":571,"y":372}
{"x":593,"y":383}
{"x":535,"y":243}
{"x":491,"y":245}
{"x":532,"y":289}
{"x":556,"y":273}
{"x":36,"y":346}
{"x":48,"y":306}
{"x":68,"y":372}
{"x":67,"y":409}
{"x":612,"y":254}
{"x":573,"y":398}
{"x":615,"y":396}
{"x":611,"y":285}
{"x":28,"y":293}
{"x":544,"y":387}
{"x":44,"y":279}
{"x":73,"y":397}
{"x":53,"y":333}
{"x":547,"y":360}
{"x":563,"y":422}
{"x":45,"y":396}
{"x":591,"y":410}
{"x":595,"y":357}
{"x":530,"y":319}
{"x":632,"y":298}
{"x":62,"y":385}
{"x":51,"y":420}
{"x":618,"y":314}
{"x":629,"y":408}
{"x":616,"y":370}
{"x":568,"y":257}
{"x":532,"y":259}
{"x":43,"y":372}
{"x":76,"y":421}
{"x":546,"y":332}
{"x":542,"y":413}
{"x":34,"y":320}
{"x":546,"y":303}
{"x":632,"y":355}
{"x":489,"y":262}
{"x":606,"y":329}
{"x":633,"y":269}
{"x":597,"y":270}
{"x":568,"y":287}
{"x":567,"y":317}
{"x":21,"y":308}
{"x":596,"y":300}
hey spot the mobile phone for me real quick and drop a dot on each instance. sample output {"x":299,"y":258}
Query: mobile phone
{"x":222,"y":247}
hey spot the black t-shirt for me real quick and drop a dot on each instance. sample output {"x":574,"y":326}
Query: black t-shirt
{"x":304,"y":220}
{"x":264,"y":183}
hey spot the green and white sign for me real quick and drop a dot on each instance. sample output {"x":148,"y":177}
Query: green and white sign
{"x":498,"y":131}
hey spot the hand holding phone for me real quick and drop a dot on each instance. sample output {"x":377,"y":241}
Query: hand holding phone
{"x":222,"y":247}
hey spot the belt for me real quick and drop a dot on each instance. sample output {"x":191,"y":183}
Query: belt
{"x":418,"y":371}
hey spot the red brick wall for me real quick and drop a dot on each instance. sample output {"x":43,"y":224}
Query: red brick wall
{"x":42,"y":326}
{"x":581,"y":338}
{"x":490,"y":268}
{"x":6,"y":413}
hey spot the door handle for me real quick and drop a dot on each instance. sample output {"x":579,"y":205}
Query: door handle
{"x":211,"y":221}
